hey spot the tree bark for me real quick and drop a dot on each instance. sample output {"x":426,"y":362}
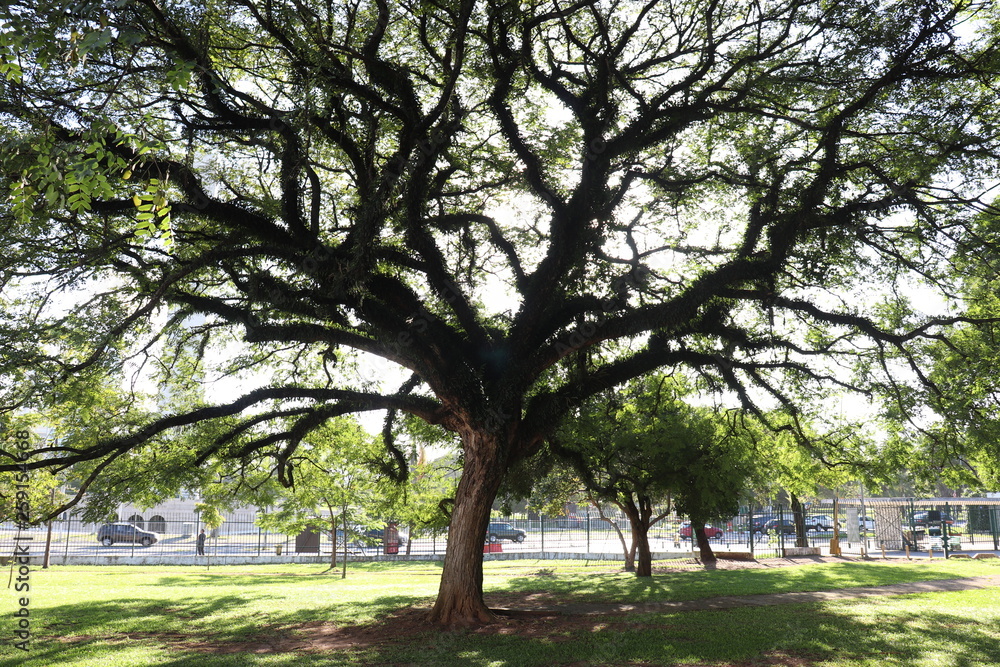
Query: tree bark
{"x":343,"y":574}
{"x":644,"y":557}
{"x":799,"y":516}
{"x":333,"y":533}
{"x":704,"y":546}
{"x":460,"y":596}
{"x":639,"y":518}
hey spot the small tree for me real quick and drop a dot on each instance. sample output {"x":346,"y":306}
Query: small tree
{"x":629,"y":449}
{"x":335,"y":488}
{"x":710,"y":472}
{"x":423,"y":506}
{"x":213,"y":519}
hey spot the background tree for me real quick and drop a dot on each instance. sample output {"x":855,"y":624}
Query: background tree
{"x":786,"y":466}
{"x":711,"y":473}
{"x":337,"y":490}
{"x":281,"y":193}
{"x":424,"y":504}
{"x":635,"y":447}
{"x":958,"y":439}
{"x":40,"y":491}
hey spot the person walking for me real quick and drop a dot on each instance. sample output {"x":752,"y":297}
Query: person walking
{"x":201,"y":542}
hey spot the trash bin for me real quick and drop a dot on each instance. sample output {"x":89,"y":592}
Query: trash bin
{"x":277,"y":550}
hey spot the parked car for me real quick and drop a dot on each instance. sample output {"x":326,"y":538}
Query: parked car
{"x":504,"y":531}
{"x":823,"y":522}
{"x":685,"y":531}
{"x":113,"y":533}
{"x":783,"y":525}
{"x":819,"y":522}
{"x":758,"y":521}
{"x":920,"y":519}
{"x":366,"y":537}
{"x":377,"y":535}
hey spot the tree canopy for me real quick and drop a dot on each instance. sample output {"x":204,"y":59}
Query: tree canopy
{"x":504,"y":207}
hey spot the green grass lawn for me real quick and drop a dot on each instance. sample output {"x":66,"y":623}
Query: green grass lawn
{"x":264,"y":615}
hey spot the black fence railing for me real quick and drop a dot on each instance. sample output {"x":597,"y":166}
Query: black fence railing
{"x":766,"y":531}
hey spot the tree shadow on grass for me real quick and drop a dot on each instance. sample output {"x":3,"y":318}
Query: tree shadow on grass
{"x":799,"y":635}
{"x":210,"y":631}
{"x":948,"y":629}
{"x":626,"y":588}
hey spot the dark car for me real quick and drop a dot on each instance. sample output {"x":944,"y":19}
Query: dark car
{"x":373,"y":535}
{"x":920,"y":519}
{"x":114,"y":533}
{"x":783,"y":525}
{"x":366,"y":537}
{"x":757,"y":522}
{"x":504,"y":531}
{"x":710,"y":531}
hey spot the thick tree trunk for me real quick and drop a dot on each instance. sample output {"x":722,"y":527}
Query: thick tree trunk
{"x":799,"y":515}
{"x":704,"y":546}
{"x":639,"y":519}
{"x":644,"y":557}
{"x":460,"y":596}
{"x":630,"y":555}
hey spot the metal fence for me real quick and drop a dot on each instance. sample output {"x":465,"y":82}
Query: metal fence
{"x":866,"y":527}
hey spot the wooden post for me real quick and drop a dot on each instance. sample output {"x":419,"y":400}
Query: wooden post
{"x":835,"y":541}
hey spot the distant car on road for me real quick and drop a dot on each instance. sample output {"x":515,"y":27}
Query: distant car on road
{"x":115,"y":533}
{"x":758,"y":521}
{"x":504,"y":531}
{"x":377,"y":535}
{"x":920,"y":519}
{"x":367,"y":537}
{"x":685,"y":531}
{"x":780,"y":525}
{"x":819,"y":522}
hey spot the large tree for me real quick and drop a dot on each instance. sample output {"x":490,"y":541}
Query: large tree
{"x":512,"y":205}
